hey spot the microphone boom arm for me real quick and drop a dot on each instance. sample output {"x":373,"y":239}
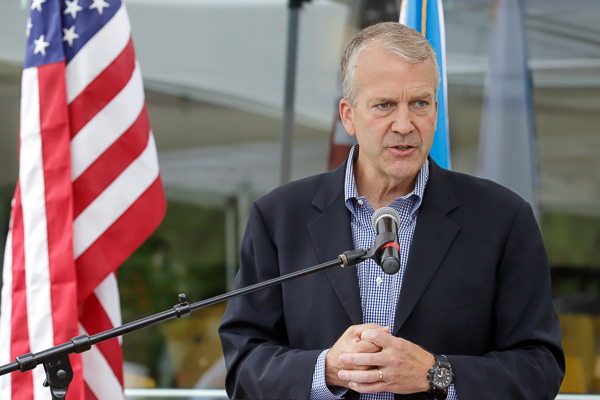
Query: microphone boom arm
{"x":59,"y":373}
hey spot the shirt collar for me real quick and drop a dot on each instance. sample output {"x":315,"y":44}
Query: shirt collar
{"x":352,"y":194}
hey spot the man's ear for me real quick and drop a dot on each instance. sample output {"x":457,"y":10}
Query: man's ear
{"x":347,"y":116}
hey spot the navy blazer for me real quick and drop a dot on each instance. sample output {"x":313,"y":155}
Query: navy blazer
{"x":476,"y":289}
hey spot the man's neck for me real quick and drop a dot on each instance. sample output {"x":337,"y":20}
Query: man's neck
{"x":381,"y":193}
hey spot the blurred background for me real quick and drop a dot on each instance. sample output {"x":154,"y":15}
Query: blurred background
{"x":214,"y":73}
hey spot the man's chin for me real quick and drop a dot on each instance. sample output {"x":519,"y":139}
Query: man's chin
{"x":405,"y":168}
{"x":402,"y":173}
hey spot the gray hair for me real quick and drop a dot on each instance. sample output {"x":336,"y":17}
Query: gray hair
{"x":393,"y":38}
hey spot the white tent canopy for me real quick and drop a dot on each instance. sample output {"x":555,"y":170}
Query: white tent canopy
{"x":232,"y":53}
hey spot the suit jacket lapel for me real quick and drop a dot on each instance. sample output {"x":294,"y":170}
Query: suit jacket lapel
{"x":331,"y":234}
{"x":433,"y":236}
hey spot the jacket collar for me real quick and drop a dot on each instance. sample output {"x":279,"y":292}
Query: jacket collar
{"x":434,"y":234}
{"x":331,"y":235}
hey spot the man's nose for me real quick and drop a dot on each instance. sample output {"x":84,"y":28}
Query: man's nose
{"x":402,"y":122}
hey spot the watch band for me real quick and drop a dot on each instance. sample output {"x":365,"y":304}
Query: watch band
{"x":439,"y":392}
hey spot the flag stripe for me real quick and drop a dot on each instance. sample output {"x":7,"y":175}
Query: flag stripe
{"x":54,"y":126}
{"x":142,"y":217}
{"x":99,"y":175}
{"x":102,"y":89}
{"x":39,"y":391}
{"x":21,"y":383}
{"x":98,"y":53}
{"x":424,"y":18}
{"x":57,"y":190}
{"x":94,"y":320}
{"x":115,"y":200}
{"x":89,"y":395}
{"x":77,"y":386}
{"x":112,"y":121}
{"x":100,"y":377}
{"x":107,"y":293}
{"x":31,"y":177}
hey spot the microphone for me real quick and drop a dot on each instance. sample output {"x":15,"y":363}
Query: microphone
{"x":386,"y":221}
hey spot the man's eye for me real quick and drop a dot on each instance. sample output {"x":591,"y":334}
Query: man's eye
{"x":421,"y":103}
{"x":383,"y":106}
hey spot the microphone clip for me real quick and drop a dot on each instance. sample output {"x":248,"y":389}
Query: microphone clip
{"x":383,"y":240}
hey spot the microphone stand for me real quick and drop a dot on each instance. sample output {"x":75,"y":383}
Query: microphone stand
{"x":59,"y":372}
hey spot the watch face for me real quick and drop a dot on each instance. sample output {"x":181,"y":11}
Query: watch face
{"x":442,"y":378}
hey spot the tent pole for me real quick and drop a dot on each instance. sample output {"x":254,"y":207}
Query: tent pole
{"x":290,"y":83}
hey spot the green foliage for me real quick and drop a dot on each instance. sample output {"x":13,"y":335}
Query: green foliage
{"x":186,"y":254}
{"x":572,"y":240}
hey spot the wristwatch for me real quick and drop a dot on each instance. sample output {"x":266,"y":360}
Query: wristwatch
{"x":440,"y":376}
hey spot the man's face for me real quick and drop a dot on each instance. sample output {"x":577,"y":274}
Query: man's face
{"x":395,"y":116}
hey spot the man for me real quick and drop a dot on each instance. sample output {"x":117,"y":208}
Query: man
{"x":468,"y":316}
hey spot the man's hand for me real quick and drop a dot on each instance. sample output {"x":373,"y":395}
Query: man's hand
{"x":404,"y":365}
{"x":350,"y":342}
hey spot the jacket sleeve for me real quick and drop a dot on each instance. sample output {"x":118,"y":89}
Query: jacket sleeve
{"x":526,"y":361}
{"x":260,"y":362}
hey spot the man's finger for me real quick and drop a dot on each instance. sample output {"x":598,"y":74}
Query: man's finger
{"x":378,"y":337}
{"x":365,"y":347}
{"x":370,"y":376}
{"x":372,"y":359}
{"x":359,"y":329}
{"x":368,"y":387}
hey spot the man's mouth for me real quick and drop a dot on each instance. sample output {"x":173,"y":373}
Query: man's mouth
{"x":403,"y":148}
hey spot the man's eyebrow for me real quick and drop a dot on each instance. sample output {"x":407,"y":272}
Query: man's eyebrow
{"x":423,"y":95}
{"x":379,"y":100}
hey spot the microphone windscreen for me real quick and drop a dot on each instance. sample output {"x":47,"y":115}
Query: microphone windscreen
{"x":385,"y":212}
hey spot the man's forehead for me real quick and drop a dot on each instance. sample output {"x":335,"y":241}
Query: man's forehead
{"x":376,"y":50}
{"x":374,"y":58}
{"x":382,"y":74}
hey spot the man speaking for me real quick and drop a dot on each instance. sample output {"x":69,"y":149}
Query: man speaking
{"x":468,"y":316}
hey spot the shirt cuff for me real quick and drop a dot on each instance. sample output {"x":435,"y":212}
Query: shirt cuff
{"x":319,"y":389}
{"x":451,"y":393}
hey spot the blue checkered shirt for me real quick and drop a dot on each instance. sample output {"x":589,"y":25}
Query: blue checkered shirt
{"x":379,"y":292}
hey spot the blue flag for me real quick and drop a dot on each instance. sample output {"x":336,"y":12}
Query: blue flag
{"x":427,"y":17}
{"x":507,"y":146}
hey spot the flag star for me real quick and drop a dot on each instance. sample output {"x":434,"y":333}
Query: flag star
{"x":70,"y":35}
{"x":73,"y":8}
{"x":37,"y":4}
{"x":29,"y":26}
{"x":99,"y":5}
{"x":40,"y":45}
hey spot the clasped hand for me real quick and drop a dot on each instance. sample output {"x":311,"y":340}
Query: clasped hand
{"x":363,"y":350}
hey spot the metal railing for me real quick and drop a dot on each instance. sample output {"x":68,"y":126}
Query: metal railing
{"x":195,"y":394}
{"x":219,"y":394}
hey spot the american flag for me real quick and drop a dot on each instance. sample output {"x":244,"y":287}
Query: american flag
{"x":89,"y":193}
